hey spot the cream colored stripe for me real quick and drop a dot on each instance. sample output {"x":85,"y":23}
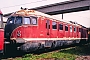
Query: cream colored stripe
{"x":28,"y":39}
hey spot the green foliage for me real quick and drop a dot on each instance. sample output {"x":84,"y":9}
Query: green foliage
{"x":64,"y":54}
{"x":56,"y":55}
{"x":28,"y":55}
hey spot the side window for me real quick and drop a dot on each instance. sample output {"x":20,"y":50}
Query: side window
{"x":54,"y":25}
{"x":66,"y":27}
{"x":70,"y":28}
{"x":34,"y":20}
{"x":61,"y":26}
{"x":47,"y":24}
{"x":26,"y":20}
{"x":74,"y":29}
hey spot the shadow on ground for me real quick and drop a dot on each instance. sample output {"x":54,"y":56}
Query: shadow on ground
{"x":78,"y":50}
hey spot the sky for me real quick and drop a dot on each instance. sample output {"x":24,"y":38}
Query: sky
{"x":8,"y":6}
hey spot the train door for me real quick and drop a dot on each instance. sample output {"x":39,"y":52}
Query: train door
{"x":48,"y":28}
{"x":75,"y":31}
{"x":60,"y":30}
{"x":71,"y":31}
{"x":54,"y":30}
{"x":83,"y":33}
{"x":66,"y":31}
{"x":86,"y":33}
{"x":79,"y":34}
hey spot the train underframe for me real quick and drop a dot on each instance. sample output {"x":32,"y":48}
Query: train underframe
{"x":31,"y":46}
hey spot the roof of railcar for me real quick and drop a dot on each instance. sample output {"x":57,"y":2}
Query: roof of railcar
{"x":33,"y":12}
{"x":37,"y":13}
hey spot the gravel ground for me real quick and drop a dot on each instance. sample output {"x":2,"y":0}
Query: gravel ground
{"x":83,"y":58}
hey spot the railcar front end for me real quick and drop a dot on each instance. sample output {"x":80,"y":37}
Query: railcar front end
{"x":23,"y":31}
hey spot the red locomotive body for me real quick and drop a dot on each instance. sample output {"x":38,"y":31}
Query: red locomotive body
{"x":37,"y":30}
{"x":1,"y":35}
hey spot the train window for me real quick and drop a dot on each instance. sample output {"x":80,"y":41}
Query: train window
{"x":26,"y":20}
{"x":47,"y":24}
{"x":18,"y":20}
{"x":61,"y":26}
{"x":70,"y":28}
{"x":66,"y":28}
{"x":74,"y":29}
{"x":54,"y":25}
{"x":10,"y":20}
{"x":34,"y":20}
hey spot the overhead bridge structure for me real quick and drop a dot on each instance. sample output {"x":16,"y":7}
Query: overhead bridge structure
{"x":65,"y":7}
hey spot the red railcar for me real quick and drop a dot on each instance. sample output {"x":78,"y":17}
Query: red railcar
{"x":1,"y":34}
{"x":35,"y":30}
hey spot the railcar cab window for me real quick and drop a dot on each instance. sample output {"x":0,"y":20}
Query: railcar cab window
{"x":18,"y":20}
{"x":14,"y":20}
{"x":66,"y":27}
{"x":26,"y":20}
{"x":11,"y":20}
{"x":54,"y":25}
{"x":33,"y":20}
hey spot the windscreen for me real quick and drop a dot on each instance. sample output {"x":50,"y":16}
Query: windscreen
{"x":10,"y":20}
{"x":14,"y":20}
{"x":18,"y":20}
